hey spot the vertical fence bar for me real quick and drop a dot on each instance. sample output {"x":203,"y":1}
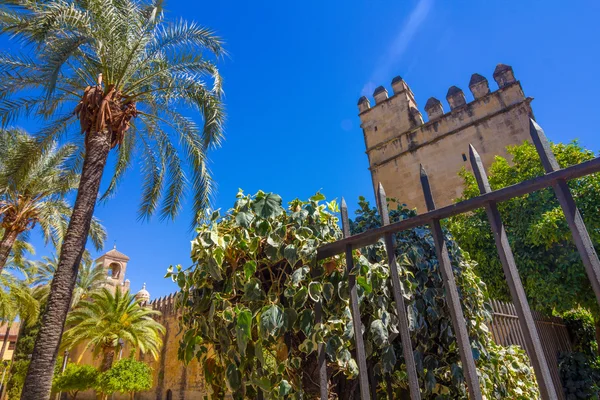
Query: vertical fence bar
{"x":321,"y":356}
{"x":532,"y":339}
{"x":580,"y":234}
{"x":407,"y":350}
{"x":354,"y":308}
{"x":458,"y":319}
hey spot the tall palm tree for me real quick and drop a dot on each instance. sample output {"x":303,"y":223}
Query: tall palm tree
{"x":89,"y":278}
{"x":104,"y":319}
{"x":33,"y":184}
{"x":129,"y":77}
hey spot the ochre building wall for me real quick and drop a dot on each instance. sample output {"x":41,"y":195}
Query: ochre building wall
{"x":172,"y":378}
{"x":398,"y":141}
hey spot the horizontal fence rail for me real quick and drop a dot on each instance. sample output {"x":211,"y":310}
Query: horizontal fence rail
{"x":517,"y":324}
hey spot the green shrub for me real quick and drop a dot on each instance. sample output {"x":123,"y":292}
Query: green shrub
{"x":74,"y":379}
{"x":580,"y":375}
{"x":582,"y":330}
{"x":126,"y":376}
{"x":248,"y":307}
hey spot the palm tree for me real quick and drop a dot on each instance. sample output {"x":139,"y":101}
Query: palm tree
{"x":89,"y":278}
{"x":17,"y":298}
{"x":104,"y":319}
{"x":127,"y":76}
{"x":33,"y":184}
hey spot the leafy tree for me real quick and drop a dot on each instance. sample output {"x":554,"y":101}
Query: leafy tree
{"x":125,"y":74}
{"x":550,"y":267}
{"x":75,"y":378}
{"x":33,"y":184}
{"x":89,"y":278}
{"x":126,"y":376}
{"x":103,"y":318}
{"x":248,"y":307}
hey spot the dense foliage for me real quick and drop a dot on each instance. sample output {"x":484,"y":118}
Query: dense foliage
{"x":550,"y":267}
{"x":126,"y":376}
{"x":75,"y":378}
{"x":248,"y":307}
{"x":580,"y":368}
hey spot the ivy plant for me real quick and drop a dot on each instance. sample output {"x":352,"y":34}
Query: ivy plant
{"x":248,"y":307}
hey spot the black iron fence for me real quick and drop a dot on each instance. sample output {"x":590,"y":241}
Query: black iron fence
{"x":555,"y":178}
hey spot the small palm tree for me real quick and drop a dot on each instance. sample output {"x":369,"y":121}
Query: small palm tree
{"x":33,"y":184}
{"x":104,"y":319}
{"x":89,"y":278}
{"x":128,"y":77}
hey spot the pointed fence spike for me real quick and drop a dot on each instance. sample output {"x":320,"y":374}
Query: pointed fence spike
{"x":525,"y":317}
{"x":403,"y":327}
{"x":345,"y":221}
{"x":543,"y":147}
{"x":479,"y":170}
{"x":361,"y":357}
{"x":459,"y":323}
{"x":382,"y":205}
{"x":579,"y":232}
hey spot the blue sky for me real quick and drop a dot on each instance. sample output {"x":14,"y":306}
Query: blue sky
{"x":297,"y":69}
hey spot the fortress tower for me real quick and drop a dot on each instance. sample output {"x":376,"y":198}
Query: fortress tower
{"x":398,"y":140}
{"x":114,"y":264}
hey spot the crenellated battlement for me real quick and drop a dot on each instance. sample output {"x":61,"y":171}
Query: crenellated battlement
{"x":394,"y":127}
{"x":165,"y":304}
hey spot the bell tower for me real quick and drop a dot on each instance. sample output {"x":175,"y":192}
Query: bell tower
{"x":114,"y":264}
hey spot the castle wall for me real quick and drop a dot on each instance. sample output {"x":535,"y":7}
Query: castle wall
{"x":168,"y":373}
{"x":398,"y":141}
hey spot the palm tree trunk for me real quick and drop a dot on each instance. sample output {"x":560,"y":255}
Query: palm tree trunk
{"x":107,"y":359}
{"x":5,"y":341}
{"x":38,"y":381}
{"x":6,"y":245}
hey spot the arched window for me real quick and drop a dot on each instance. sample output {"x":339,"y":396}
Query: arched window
{"x":114,"y":271}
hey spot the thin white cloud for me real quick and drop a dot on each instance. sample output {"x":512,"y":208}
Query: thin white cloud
{"x":398,"y":46}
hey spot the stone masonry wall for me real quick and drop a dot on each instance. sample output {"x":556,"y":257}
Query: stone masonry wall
{"x":398,"y":140}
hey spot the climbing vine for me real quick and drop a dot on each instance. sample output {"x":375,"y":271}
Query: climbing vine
{"x":248,"y":307}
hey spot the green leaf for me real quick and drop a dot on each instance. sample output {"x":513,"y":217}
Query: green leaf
{"x":388,"y":359}
{"x":244,"y":219}
{"x":362,"y":282}
{"x":249,"y":269}
{"x":214,"y":269}
{"x":234,"y":377}
{"x":284,"y":388}
{"x":243,"y":330}
{"x":314,"y":291}
{"x":268,"y":206}
{"x":289,"y":317}
{"x":253,"y":290}
{"x":291,"y":254}
{"x":271,"y":320}
{"x":300,"y":297}
{"x":379,"y":333}
{"x":299,"y":275}
{"x":317,"y":197}
{"x":306,"y":321}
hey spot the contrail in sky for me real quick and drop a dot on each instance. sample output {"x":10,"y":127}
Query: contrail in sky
{"x":398,"y":45}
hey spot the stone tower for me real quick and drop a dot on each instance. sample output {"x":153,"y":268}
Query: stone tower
{"x":114,"y":264}
{"x":398,"y":140}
